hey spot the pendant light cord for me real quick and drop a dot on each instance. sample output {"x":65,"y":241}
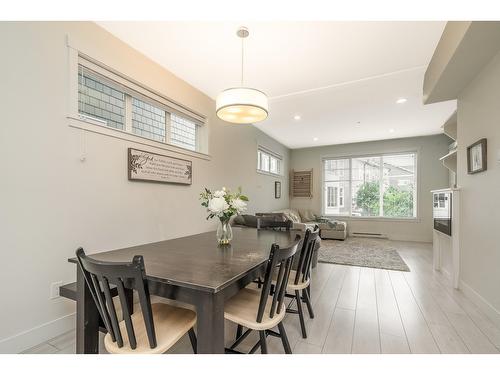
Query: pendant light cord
{"x":242,"y":59}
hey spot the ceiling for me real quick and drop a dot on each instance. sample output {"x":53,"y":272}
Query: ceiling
{"x":341,"y":78}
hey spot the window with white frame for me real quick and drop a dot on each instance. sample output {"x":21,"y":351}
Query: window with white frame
{"x":371,"y":186}
{"x":112,"y":101}
{"x":268,"y":161}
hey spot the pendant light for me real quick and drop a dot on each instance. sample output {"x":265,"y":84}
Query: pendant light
{"x":242,"y":105}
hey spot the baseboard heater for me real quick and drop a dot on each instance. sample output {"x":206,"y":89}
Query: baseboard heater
{"x":368,"y":234}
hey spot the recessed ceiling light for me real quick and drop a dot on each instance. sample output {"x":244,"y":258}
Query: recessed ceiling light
{"x":401,"y":100}
{"x":296,"y":117}
{"x":315,"y":139}
{"x":391,"y":130}
{"x":358,"y":122}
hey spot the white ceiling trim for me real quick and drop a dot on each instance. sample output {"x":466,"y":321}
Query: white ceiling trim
{"x":335,"y":85}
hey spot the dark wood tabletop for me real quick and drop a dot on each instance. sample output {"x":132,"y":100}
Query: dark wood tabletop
{"x":192,"y":269}
{"x":198,"y":262}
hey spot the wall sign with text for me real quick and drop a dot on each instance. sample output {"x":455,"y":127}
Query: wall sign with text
{"x":147,"y":166}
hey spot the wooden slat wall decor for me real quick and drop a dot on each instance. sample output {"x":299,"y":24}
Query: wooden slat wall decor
{"x":301,"y":184}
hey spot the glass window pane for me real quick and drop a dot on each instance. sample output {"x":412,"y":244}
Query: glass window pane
{"x":264,"y":162}
{"x":336,"y":170}
{"x":366,"y":186}
{"x":100,"y":99}
{"x":335,"y":195}
{"x":399,"y":185}
{"x":182,"y":132}
{"x":274,"y":165}
{"x":337,"y":176}
{"x":148,"y":120}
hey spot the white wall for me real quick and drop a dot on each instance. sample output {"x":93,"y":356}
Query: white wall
{"x":431,"y":175}
{"x":51,"y":202}
{"x":479,"y":117}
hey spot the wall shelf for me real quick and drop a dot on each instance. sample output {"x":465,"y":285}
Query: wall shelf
{"x":450,"y":126}
{"x":450,"y":129}
{"x":450,"y":160}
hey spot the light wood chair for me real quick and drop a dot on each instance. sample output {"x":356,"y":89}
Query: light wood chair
{"x":300,"y":279}
{"x":259,"y":310}
{"x":153,"y":329}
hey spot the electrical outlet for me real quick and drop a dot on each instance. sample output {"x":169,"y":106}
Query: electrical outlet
{"x":54,"y":289}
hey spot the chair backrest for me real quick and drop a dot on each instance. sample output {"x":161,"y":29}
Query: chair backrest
{"x":100,"y":275}
{"x":306,"y":255}
{"x":280,"y":261}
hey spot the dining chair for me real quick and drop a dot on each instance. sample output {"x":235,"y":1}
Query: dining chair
{"x":299,"y":281}
{"x":153,"y":329}
{"x":258,"y":310}
{"x":271,"y":221}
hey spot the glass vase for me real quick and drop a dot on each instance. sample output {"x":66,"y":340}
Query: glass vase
{"x":224,"y":233}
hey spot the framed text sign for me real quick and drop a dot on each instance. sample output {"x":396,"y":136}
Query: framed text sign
{"x":147,"y":166}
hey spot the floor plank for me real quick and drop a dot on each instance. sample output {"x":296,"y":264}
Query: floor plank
{"x":392,"y":333}
{"x":475,"y":340}
{"x":323,"y":309}
{"x":340,"y":332}
{"x":349,"y":294}
{"x":419,"y":336}
{"x":442,"y":330}
{"x":303,"y":347}
{"x":366,"y":337}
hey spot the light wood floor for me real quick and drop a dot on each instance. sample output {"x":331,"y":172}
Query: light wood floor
{"x":365,"y":310}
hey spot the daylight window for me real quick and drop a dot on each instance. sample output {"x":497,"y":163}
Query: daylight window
{"x":371,"y":186}
{"x":109,"y":100}
{"x":268,"y":161}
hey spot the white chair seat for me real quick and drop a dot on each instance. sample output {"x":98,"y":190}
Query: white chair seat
{"x":291,"y":279}
{"x":171,"y":323}
{"x":242,"y":309}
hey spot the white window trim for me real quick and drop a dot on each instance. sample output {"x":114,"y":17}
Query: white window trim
{"x":87,"y":123}
{"x":349,"y":217}
{"x":271,"y":154}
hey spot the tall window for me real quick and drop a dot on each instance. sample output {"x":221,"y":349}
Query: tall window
{"x":109,"y":100}
{"x":268,"y":161}
{"x":372,"y":186}
{"x":335,"y":196}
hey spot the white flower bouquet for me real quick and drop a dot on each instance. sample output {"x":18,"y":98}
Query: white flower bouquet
{"x":223,"y":204}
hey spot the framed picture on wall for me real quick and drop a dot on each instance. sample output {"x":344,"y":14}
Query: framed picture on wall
{"x":477,"y":157}
{"x":277,"y":189}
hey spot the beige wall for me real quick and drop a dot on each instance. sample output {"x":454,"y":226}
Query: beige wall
{"x":51,"y":202}
{"x":479,"y":117}
{"x":431,"y":175}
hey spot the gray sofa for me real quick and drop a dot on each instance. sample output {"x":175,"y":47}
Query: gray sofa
{"x":302,"y":219}
{"x":251,"y":221}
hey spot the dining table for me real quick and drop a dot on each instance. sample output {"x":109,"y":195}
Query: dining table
{"x":192,"y":269}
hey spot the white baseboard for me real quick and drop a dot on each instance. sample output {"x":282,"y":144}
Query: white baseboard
{"x":481,"y":302}
{"x":37,"y":335}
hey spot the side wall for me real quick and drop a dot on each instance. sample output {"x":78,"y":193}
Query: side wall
{"x":479,"y":117}
{"x":51,"y":202}
{"x":431,"y":175}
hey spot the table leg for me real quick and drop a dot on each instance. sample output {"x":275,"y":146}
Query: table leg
{"x":210,"y":323}
{"x":87,"y":318}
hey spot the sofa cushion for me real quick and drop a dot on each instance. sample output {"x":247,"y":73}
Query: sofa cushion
{"x":326,"y":223}
{"x":291,"y":214}
{"x":239,"y":220}
{"x":246,"y":220}
{"x":307,"y":215}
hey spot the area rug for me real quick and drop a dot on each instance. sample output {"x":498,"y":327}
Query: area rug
{"x":363,"y":252}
